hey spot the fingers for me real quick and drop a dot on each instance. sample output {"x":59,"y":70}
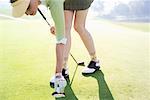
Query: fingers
{"x":33,"y":6}
{"x":31,"y":11}
{"x":53,"y":31}
{"x":39,"y":2}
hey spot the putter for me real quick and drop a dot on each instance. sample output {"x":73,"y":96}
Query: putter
{"x":78,"y":64}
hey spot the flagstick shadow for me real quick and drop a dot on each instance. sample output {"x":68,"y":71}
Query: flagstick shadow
{"x":104,"y":92}
{"x":69,"y":93}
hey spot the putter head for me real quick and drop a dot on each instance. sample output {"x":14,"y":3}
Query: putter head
{"x":81,"y":64}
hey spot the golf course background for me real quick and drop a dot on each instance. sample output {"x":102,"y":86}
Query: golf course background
{"x":27,"y":61}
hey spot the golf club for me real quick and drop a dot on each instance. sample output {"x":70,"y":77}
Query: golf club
{"x":79,"y":64}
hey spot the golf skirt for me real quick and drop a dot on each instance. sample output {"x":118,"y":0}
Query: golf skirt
{"x":77,"y":4}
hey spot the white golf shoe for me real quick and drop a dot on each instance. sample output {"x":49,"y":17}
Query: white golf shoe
{"x":65,"y":74}
{"x":91,"y":68}
{"x":60,"y":84}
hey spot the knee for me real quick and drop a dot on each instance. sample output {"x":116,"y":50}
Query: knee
{"x":79,"y":28}
{"x":67,"y":29}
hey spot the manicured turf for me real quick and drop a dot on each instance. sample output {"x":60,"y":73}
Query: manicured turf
{"x":27,"y":61}
{"x":136,"y":26}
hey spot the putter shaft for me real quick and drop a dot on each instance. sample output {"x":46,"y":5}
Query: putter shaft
{"x":43,"y":17}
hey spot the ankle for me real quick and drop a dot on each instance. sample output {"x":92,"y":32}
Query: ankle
{"x":95,"y":60}
{"x":94,"y":57}
{"x":58,"y":75}
{"x":65,"y":67}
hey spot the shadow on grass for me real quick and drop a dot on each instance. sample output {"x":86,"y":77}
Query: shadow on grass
{"x":104,"y":92}
{"x":69,"y":93}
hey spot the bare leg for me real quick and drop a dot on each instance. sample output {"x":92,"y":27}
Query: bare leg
{"x":79,"y":25}
{"x":68,"y":25}
{"x":59,"y":57}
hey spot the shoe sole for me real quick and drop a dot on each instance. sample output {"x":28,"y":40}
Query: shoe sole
{"x":58,"y":95}
{"x":91,"y":73}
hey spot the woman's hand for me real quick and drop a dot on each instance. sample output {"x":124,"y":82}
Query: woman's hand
{"x":33,"y":6}
{"x":53,"y":30}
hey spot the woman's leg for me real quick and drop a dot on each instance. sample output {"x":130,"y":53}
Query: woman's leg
{"x":56,"y":8}
{"x":57,"y":12}
{"x":68,"y":24}
{"x":79,"y":25}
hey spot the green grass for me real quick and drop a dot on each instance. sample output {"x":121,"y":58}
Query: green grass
{"x":27,"y":61}
{"x":136,"y":26}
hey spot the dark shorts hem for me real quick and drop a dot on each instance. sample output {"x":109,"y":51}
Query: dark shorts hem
{"x":74,"y":8}
{"x":77,"y":4}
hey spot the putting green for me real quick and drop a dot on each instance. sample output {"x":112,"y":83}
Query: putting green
{"x":27,"y":61}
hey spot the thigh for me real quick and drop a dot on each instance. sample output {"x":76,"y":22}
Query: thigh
{"x":80,"y":17}
{"x":68,"y":19}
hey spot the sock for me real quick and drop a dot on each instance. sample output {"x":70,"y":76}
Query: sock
{"x":94,"y":57}
{"x":65,"y":66}
{"x":58,"y":75}
{"x":65,"y":63}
